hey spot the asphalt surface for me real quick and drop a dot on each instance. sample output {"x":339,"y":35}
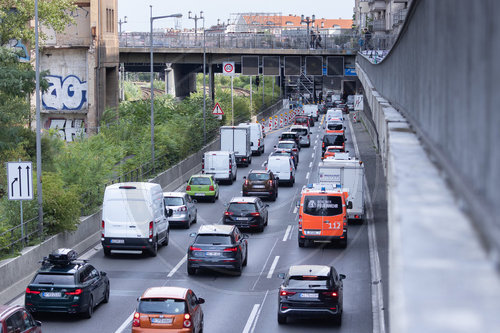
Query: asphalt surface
{"x":246,"y":303}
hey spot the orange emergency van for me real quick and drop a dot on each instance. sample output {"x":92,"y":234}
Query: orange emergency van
{"x":323,"y":214}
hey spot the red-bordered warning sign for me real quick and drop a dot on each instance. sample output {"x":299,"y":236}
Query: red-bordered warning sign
{"x":228,"y":68}
{"x":217,"y":110}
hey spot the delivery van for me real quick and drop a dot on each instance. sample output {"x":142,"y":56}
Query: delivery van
{"x":237,"y":140}
{"x":256,"y":137}
{"x":323,"y":214}
{"x":283,"y":168}
{"x":220,"y":164}
{"x":134,"y":218}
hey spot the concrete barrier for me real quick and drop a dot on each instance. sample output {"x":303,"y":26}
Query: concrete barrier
{"x":16,"y":273}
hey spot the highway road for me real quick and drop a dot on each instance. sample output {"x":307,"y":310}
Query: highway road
{"x":246,"y":303}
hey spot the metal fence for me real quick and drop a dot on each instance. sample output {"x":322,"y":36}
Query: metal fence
{"x":17,"y":237}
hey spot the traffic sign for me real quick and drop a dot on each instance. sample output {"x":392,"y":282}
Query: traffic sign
{"x":358,"y":102}
{"x":217,"y":110}
{"x":20,"y":180}
{"x":228,"y":68}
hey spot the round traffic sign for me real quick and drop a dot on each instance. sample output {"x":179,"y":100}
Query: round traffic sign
{"x":228,"y":68}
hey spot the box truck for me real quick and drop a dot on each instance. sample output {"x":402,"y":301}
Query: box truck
{"x":237,"y":140}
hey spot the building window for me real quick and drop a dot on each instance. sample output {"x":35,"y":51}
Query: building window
{"x":110,"y":23}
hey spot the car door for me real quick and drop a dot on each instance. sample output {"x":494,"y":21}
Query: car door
{"x":195,"y":310}
{"x":238,"y":240}
{"x":98,"y":283}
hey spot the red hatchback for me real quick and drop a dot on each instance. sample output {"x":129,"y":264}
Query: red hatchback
{"x":15,"y":318}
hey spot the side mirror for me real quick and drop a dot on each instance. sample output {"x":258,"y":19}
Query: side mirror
{"x":297,"y":203}
{"x":342,"y":276}
{"x":38,"y":323}
{"x":349,"y":205}
{"x":244,"y":177}
{"x":245,"y":236}
{"x":281,"y":275}
{"x":267,"y":205}
{"x":193,"y":234}
{"x":194,"y":201}
{"x":169,"y":212}
{"x":277,"y":178}
{"x":345,"y":140}
{"x":103,"y":273}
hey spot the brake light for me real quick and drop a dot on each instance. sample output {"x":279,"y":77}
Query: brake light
{"x":230,"y":165}
{"x":102,"y":225}
{"x":246,"y":181}
{"x":182,"y":209}
{"x":291,"y":169}
{"x":228,"y":213}
{"x":258,"y":143}
{"x":231,"y":249}
{"x":76,"y":292}
{"x":330,"y":293}
{"x":211,"y":188}
{"x":187,"y":321}
{"x":151,"y":229}
{"x":255,"y":214}
{"x":193,"y":248}
{"x":287,"y":293}
{"x":270,"y":183}
{"x":188,"y":188}
{"x":323,"y":146}
{"x":29,"y":291}
{"x":203,"y":165}
{"x":294,"y":149}
{"x":136,"y":322}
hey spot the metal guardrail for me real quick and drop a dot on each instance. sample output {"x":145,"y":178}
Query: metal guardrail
{"x":17,"y":237}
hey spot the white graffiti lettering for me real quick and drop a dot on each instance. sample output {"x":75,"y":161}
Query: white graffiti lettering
{"x":67,"y":94}
{"x":68,"y":129}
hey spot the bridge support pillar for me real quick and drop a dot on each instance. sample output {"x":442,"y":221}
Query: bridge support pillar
{"x":185,"y":79}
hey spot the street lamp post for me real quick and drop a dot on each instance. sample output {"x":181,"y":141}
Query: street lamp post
{"x":152,"y":18}
{"x":204,"y":86}
{"x":196,"y":18}
{"x":120,"y":22}
{"x":121,"y":72}
{"x":307,"y":21}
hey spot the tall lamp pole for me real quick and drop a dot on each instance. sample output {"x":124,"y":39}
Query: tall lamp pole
{"x":152,"y":18}
{"x":121,"y":72}
{"x":307,"y":21}
{"x":196,"y":18}
{"x":204,"y":85}
{"x":38,"y":128}
{"x":120,"y":22}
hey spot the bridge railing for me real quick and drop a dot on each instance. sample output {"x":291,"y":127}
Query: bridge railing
{"x":346,"y":41}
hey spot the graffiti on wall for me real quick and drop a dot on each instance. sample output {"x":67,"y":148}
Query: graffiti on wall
{"x":18,"y":47}
{"x":69,"y":93}
{"x":68,"y":129}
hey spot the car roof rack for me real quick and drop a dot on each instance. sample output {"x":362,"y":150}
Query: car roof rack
{"x":62,"y":257}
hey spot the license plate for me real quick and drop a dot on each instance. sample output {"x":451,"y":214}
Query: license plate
{"x":241,"y":218}
{"x":51,"y":294}
{"x":118,"y":241}
{"x":212,"y":254}
{"x":312,"y":232}
{"x":259,"y":186}
{"x":161,"y":320}
{"x":306,"y":295}
{"x":200,"y":194}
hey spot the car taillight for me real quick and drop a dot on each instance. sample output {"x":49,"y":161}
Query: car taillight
{"x":187,"y":321}
{"x":102,"y":225}
{"x":76,"y":292}
{"x":294,"y":149}
{"x":29,"y":291}
{"x":258,"y":143}
{"x":308,"y":136}
{"x":188,"y":188}
{"x":230,"y":166}
{"x":211,"y":188}
{"x":151,"y":229}
{"x":290,"y":169}
{"x":330,"y":293}
{"x":287,"y":293}
{"x":323,"y":146}
{"x":270,"y":183}
{"x":182,"y":209}
{"x":193,"y":248}
{"x":255,"y":214}
{"x":231,"y":249}
{"x":203,"y":165}
{"x":228,"y":213}
{"x":246,"y":181}
{"x":136,"y":322}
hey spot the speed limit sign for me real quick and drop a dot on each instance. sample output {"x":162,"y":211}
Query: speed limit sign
{"x":228,"y":68}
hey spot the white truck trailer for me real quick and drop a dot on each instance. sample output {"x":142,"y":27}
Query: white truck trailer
{"x":237,"y":140}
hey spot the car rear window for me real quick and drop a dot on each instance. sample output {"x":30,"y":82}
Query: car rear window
{"x":200,"y":181}
{"x":307,"y":282}
{"x":286,"y":145}
{"x":335,"y":127}
{"x":288,"y":136}
{"x":300,"y":131}
{"x":214,"y":239}
{"x":322,"y":205}
{"x":174,"y":201}
{"x":333,"y":140}
{"x":54,"y":279}
{"x":239,"y":208}
{"x":161,"y":306}
{"x":258,"y":176}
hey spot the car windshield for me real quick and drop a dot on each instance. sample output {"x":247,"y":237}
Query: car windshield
{"x":333,"y":140}
{"x":334,"y":127}
{"x":174,"y":201}
{"x":258,"y":176}
{"x":54,"y":279}
{"x":239,"y":208}
{"x":214,"y":239}
{"x":281,"y":153}
{"x":161,"y":306}
{"x":200,"y":181}
{"x":322,"y":205}
{"x":286,"y":145}
{"x":306,"y":282}
{"x":301,"y":131}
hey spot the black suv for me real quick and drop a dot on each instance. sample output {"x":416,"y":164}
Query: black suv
{"x":260,"y":183}
{"x":65,"y":284}
{"x":246,"y":212}
{"x":218,"y":246}
{"x":290,"y":136}
{"x":311,"y":291}
{"x":337,"y":140}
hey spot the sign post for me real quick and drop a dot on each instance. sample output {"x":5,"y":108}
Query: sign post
{"x":228,"y":69}
{"x":20,"y":185}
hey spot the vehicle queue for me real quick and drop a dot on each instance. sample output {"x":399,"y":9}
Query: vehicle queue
{"x":135,"y":217}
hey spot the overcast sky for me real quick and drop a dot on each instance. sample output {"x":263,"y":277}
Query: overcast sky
{"x":137,"y":11}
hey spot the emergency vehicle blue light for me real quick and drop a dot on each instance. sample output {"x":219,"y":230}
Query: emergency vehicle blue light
{"x":338,"y":186}
{"x":323,"y":189}
{"x":309,"y":185}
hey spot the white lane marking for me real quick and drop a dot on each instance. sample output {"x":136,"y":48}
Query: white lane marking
{"x":291,"y":232}
{"x":312,"y":156}
{"x":287,"y":232}
{"x":125,"y":323}
{"x":315,"y":141}
{"x":354,"y":141}
{"x":258,"y":312}
{"x":310,"y":164}
{"x":265,"y":263}
{"x":273,"y":266}
{"x":263,"y":164}
{"x":251,"y":318}
{"x":295,"y":210}
{"x":307,"y":175}
{"x":179,"y":264}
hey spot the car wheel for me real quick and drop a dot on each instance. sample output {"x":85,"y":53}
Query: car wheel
{"x":239,"y":268}
{"x":188,"y":224}
{"x":246,"y":258}
{"x":212,"y":199}
{"x":343,"y":243}
{"x":195,"y":218}
{"x":281,"y":319}
{"x":274,"y":196}
{"x":230,"y":180}
{"x":167,"y":238}
{"x":154,"y":250}
{"x":90,"y":310}
{"x":302,"y":242}
{"x":107,"y":252}
{"x":245,"y":194}
{"x":337,"y":320}
{"x":191,"y":270}
{"x":261,"y":228}
{"x":106,"y":295}
{"x":267,"y":220}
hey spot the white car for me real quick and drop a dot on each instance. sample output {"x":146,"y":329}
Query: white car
{"x":304,"y":134}
{"x":184,"y":211}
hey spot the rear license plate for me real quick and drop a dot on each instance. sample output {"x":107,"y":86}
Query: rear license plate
{"x":307,"y":295}
{"x":51,"y":294}
{"x":200,"y":194}
{"x":161,"y":320}
{"x":312,"y":232}
{"x":212,"y":254}
{"x":117,"y":241}
{"x":241,"y":218}
{"x":259,"y":186}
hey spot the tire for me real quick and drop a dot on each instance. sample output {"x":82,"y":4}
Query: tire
{"x":195,"y":218}
{"x":106,"y":295}
{"x":246,"y":258}
{"x":302,"y":242}
{"x":239,"y":269}
{"x":274,"y":196}
{"x":281,"y":318}
{"x":245,"y":194}
{"x":267,"y":220}
{"x":261,"y":228}
{"x":90,"y":310}
{"x":188,"y":224}
{"x":230,"y":180}
{"x":337,"y":320}
{"x":107,"y":252}
{"x":191,"y":270}
{"x":212,"y":199}
{"x":343,"y":243}
{"x":167,"y":238}
{"x":153,"y":252}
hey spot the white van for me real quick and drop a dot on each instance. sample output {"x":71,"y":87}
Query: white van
{"x":237,"y":139}
{"x":134,"y":218}
{"x":311,"y":110}
{"x":283,"y":168}
{"x":256,"y":137}
{"x":334,"y":114}
{"x":221,"y":164}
